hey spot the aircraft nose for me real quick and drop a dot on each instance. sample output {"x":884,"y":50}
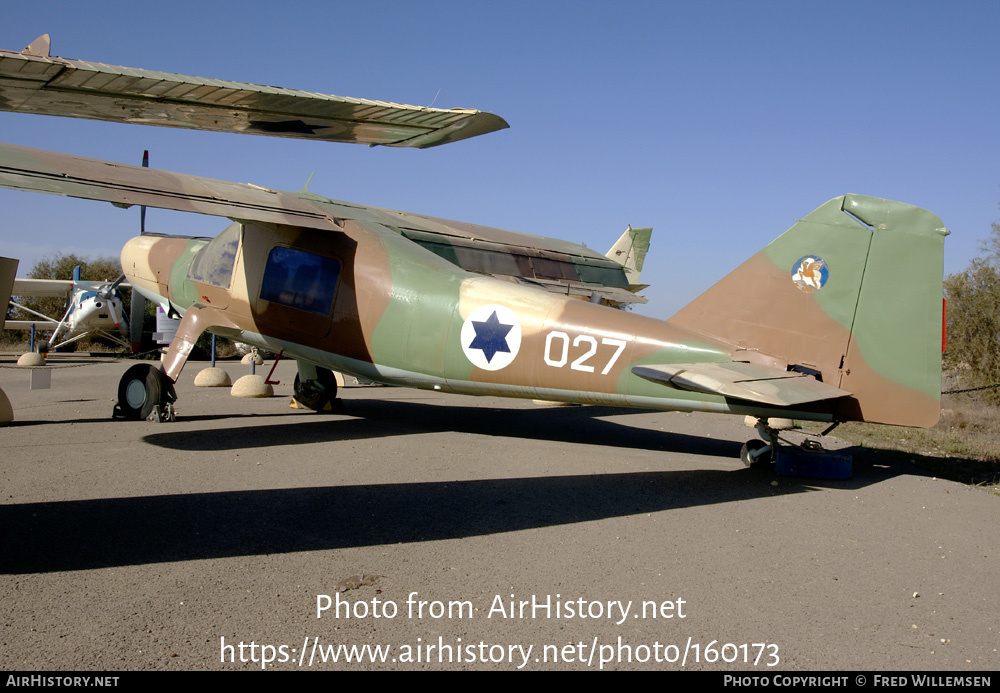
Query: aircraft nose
{"x":86,"y":309}
{"x":147,"y":262}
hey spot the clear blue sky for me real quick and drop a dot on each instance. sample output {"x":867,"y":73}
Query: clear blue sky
{"x":717,"y":123}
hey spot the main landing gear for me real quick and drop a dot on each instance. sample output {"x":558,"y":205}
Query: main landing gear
{"x":144,"y":392}
{"x":315,"y":388}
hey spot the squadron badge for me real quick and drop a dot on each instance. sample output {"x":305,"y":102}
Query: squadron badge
{"x":810,"y":273}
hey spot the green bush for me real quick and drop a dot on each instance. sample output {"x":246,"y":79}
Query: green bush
{"x":973,"y":320}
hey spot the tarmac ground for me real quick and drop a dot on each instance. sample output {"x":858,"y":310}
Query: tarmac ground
{"x":418,"y":530}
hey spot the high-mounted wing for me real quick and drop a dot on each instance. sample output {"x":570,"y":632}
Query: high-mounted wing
{"x":37,"y":288}
{"x":37,"y":170}
{"x":558,"y":266}
{"x":33,"y":82}
{"x":42,"y":288}
{"x":39,"y":324}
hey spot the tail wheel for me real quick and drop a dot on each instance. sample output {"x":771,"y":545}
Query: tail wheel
{"x":751,"y":455}
{"x":316,"y":394}
{"x":142,"y":388}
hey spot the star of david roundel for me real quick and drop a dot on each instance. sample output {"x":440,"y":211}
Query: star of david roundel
{"x":491,"y":337}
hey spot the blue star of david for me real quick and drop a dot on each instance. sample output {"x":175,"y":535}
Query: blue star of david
{"x":491,"y":336}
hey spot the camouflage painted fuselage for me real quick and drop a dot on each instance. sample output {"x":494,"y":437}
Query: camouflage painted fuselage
{"x":400,"y":314}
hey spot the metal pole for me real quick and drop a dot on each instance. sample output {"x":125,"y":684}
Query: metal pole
{"x":213,"y":351}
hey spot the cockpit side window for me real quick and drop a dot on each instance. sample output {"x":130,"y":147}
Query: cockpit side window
{"x":214,"y":263}
{"x":302,"y":280}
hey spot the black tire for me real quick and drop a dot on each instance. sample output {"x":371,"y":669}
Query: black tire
{"x":141,"y":388}
{"x":752,"y":446}
{"x":316,"y":394}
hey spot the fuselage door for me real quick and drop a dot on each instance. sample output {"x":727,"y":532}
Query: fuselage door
{"x":297,"y":291}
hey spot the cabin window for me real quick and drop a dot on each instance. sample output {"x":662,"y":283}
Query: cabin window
{"x":298,"y":279}
{"x":213,"y":264}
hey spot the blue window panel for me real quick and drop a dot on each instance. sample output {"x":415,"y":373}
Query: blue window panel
{"x":302,"y":280}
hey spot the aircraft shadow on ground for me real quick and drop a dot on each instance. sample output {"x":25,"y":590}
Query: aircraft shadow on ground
{"x":370,"y":418}
{"x":90,"y":534}
{"x":16,"y":423}
{"x":373,"y":418}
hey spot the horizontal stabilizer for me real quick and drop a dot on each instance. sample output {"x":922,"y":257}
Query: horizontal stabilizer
{"x":742,"y":381}
{"x":34,"y":82}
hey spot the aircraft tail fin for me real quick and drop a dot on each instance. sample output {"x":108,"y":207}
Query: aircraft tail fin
{"x":852,"y":295}
{"x":629,"y":251}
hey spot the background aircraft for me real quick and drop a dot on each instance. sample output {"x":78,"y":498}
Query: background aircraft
{"x":92,"y":309}
{"x":837,"y":319}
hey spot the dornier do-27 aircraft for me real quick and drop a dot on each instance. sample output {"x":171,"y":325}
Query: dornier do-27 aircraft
{"x":837,"y":319}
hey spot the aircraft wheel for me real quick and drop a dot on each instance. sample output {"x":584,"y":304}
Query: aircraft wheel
{"x":752,"y":446}
{"x":141,"y":388}
{"x":316,"y":394}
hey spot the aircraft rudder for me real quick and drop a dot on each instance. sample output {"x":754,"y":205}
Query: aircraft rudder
{"x":893,"y":364}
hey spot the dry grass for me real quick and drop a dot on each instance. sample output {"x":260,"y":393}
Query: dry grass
{"x":84,"y":346}
{"x":964,"y":446}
